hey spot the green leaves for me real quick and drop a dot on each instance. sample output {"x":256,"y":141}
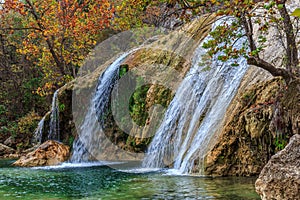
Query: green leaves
{"x":123,"y":70}
{"x":296,"y":12}
{"x":280,"y":6}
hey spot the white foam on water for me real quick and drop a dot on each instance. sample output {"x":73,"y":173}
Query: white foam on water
{"x":79,"y":165}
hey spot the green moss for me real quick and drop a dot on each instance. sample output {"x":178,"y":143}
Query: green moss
{"x":123,"y":70}
{"x":71,"y":140}
{"x":248,"y":97}
{"x":62,"y":107}
{"x":280,"y":142}
{"x":137,"y":105}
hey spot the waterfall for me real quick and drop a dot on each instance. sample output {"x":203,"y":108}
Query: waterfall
{"x":54,"y":118}
{"x":92,"y":126}
{"x":53,"y":133}
{"x":195,"y":113}
{"x":38,"y":134}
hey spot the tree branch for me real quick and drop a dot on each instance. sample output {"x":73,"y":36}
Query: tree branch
{"x":249,"y":31}
{"x":269,"y":67}
{"x":20,"y":28}
{"x":50,"y":46}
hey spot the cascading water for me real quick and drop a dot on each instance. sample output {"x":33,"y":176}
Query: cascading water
{"x":195,"y":114}
{"x":53,"y":133}
{"x":93,"y":123}
{"x":38,"y":134}
{"x":54,"y":118}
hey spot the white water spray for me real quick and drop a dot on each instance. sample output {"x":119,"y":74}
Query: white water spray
{"x":54,"y":118}
{"x":92,"y":127}
{"x":195,"y":114}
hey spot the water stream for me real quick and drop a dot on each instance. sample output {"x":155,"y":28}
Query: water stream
{"x":38,"y":134}
{"x":53,"y":133}
{"x":92,"y":126}
{"x":195,"y":113}
{"x":54,"y":118}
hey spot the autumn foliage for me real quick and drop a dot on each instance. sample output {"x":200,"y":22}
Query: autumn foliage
{"x":55,"y":35}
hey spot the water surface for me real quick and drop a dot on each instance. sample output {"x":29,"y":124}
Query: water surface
{"x":99,"y":181}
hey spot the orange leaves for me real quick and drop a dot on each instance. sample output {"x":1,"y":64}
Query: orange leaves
{"x":13,"y":5}
{"x":56,"y":35}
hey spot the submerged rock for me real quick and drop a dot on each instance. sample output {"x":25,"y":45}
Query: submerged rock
{"x":49,"y":153}
{"x":280,"y":178}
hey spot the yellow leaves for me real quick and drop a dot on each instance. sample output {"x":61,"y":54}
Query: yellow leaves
{"x":65,"y":29}
{"x":46,"y":89}
{"x":31,"y":35}
{"x":22,"y":51}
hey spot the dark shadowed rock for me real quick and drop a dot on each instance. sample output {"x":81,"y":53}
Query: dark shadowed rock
{"x":48,"y":153}
{"x":280,"y":178}
{"x":5,"y":150}
{"x":9,"y":141}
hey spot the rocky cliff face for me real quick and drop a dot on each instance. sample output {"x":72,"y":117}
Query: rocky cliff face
{"x":260,"y":124}
{"x":148,"y":103}
{"x":261,"y":118}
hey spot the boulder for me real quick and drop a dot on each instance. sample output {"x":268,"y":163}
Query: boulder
{"x":280,"y":178}
{"x":49,"y":153}
{"x":5,"y":150}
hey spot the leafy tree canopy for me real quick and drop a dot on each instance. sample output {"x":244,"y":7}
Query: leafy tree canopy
{"x":55,"y":35}
{"x":251,"y":17}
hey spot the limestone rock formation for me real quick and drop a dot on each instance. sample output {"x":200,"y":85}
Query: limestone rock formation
{"x":259,"y":124}
{"x":171,"y":54}
{"x":48,"y":153}
{"x":280,"y":178}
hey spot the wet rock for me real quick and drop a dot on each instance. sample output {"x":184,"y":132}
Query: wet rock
{"x":5,"y":150}
{"x":258,"y":124}
{"x":48,"y":153}
{"x":280,"y":178}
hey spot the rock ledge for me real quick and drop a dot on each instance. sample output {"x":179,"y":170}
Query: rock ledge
{"x":280,"y":178}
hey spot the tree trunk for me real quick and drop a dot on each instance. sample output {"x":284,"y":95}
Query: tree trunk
{"x":291,"y":47}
